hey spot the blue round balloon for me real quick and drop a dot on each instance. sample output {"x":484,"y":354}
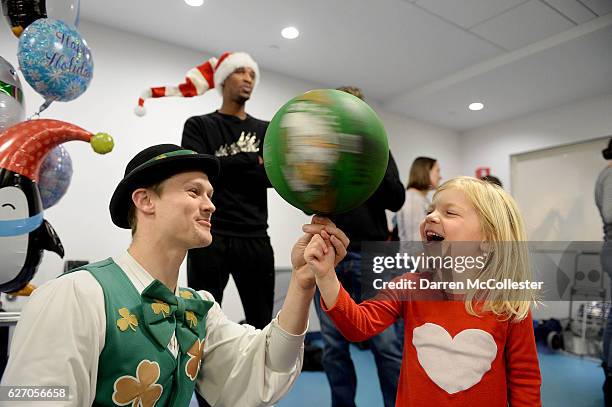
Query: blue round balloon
{"x":54,"y":176}
{"x":55,"y":60}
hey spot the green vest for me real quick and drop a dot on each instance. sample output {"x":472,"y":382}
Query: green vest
{"x":136,"y":364}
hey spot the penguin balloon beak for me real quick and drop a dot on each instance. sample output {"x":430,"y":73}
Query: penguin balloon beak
{"x":50,"y":240}
{"x":24,"y":291}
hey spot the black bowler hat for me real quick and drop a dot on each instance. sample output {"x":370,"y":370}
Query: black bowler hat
{"x":152,"y":165}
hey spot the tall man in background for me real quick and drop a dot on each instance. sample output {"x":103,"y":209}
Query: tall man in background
{"x":365,"y":223}
{"x":241,"y":245}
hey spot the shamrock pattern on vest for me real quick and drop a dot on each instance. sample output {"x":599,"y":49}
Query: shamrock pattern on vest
{"x":142,"y":390}
{"x":192,"y":367}
{"x":127,"y":320}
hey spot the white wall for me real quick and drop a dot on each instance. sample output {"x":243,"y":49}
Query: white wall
{"x":125,"y":64}
{"x":491,"y":146}
{"x":410,"y":138}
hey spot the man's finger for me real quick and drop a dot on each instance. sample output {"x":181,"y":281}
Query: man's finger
{"x":338,"y":246}
{"x":329,"y":229}
{"x":332,"y":230}
{"x":322,"y":220}
{"x":314,"y":229}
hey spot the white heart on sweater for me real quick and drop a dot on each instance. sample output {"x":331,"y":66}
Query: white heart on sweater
{"x":454,"y":364}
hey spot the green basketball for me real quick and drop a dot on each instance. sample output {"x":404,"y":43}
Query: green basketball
{"x":325,"y":152}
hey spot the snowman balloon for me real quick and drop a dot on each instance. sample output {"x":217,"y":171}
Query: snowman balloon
{"x":24,"y":233}
{"x":12,"y":109}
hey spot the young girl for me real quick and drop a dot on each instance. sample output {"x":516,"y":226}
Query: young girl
{"x":478,"y":351}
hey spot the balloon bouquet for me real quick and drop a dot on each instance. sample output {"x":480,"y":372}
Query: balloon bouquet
{"x":35,"y":170}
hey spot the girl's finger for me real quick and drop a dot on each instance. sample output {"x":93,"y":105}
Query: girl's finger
{"x":305,"y":238}
{"x":321,"y":244}
{"x":315,"y":253}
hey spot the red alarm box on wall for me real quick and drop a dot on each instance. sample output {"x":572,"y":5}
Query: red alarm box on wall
{"x":482,"y":172}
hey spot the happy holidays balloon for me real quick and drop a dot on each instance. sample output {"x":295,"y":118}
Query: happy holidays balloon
{"x":24,"y":233}
{"x":54,"y":176}
{"x":12,"y":108}
{"x":55,"y":60}
{"x":326,"y":152}
{"x":21,"y":13}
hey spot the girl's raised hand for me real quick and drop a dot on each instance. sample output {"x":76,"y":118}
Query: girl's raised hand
{"x":334,"y":237}
{"x":320,"y":256}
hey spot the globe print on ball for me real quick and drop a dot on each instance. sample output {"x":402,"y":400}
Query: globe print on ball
{"x":325,"y":152}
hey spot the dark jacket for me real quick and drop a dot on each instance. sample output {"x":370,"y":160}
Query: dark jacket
{"x":240,"y":194}
{"x":369,"y":221}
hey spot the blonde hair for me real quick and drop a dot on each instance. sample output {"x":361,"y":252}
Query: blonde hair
{"x":502,"y":226}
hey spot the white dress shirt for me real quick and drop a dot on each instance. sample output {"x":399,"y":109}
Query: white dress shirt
{"x":62,"y":329}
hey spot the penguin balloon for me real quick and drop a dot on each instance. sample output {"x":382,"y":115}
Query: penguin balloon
{"x":24,"y":233}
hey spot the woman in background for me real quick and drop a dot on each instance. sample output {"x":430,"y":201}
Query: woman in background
{"x":424,"y":176}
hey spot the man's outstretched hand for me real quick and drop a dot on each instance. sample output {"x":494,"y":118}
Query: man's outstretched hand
{"x":334,"y":239}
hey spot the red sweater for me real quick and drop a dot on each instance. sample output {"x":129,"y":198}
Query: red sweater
{"x":451,"y":358}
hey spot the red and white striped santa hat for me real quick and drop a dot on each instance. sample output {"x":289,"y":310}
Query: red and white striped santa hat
{"x":200,"y":79}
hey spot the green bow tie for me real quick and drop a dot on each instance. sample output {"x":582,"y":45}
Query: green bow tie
{"x":165,"y":313}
